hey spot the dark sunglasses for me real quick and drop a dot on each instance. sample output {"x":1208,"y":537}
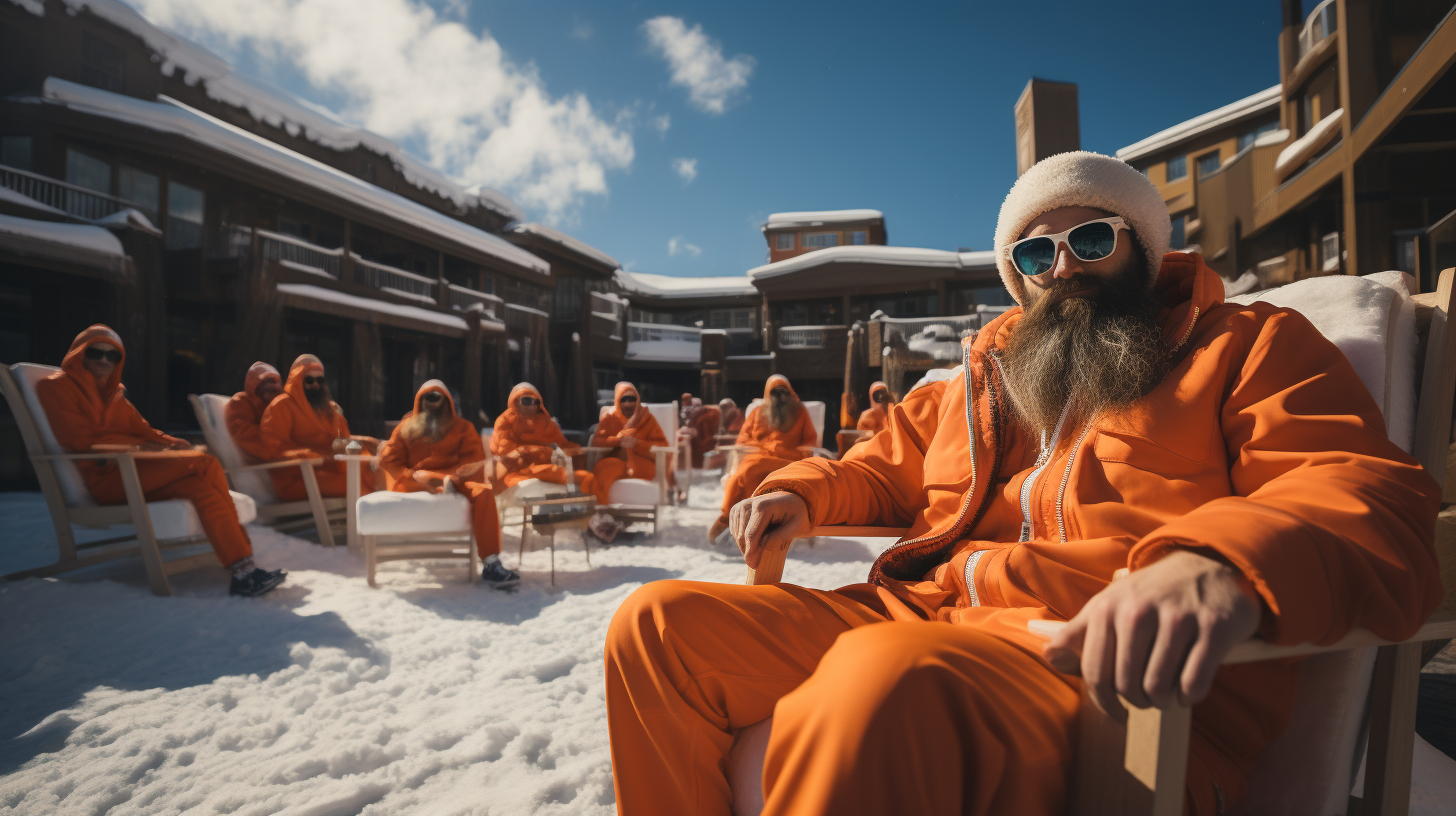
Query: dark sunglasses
{"x":778,"y":392}
{"x":93,"y":353}
{"x":529,"y":401}
{"x":433,"y":396}
{"x":1090,"y":241}
{"x":629,"y":398}
{"x":313,"y":380}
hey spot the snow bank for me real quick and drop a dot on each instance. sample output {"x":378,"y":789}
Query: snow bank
{"x":817,"y":218}
{"x":428,"y":695}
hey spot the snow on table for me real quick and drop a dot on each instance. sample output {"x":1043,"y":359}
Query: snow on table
{"x":428,"y":695}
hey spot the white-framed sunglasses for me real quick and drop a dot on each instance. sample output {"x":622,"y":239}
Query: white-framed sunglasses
{"x":1088,"y":241}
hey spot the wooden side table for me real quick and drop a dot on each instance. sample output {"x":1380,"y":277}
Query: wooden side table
{"x":548,"y":527}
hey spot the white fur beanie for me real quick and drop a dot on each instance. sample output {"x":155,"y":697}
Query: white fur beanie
{"x":1083,"y":179}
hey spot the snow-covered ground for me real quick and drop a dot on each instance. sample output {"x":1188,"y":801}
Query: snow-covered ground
{"x":427,"y":695}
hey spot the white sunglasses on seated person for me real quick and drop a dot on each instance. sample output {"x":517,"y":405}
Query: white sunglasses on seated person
{"x":1088,"y":241}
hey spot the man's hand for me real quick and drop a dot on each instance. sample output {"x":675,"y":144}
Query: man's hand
{"x":1157,"y":635}
{"x":629,"y":442}
{"x":431,"y":482}
{"x":770,"y":520}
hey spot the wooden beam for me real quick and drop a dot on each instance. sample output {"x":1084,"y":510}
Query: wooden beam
{"x":1422,"y":71}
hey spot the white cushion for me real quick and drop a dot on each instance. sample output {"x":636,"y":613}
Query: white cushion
{"x":255,"y":483}
{"x":388,"y":513}
{"x":666,"y":415}
{"x":633,"y":491}
{"x":177,"y":518}
{"x":73,"y":488}
{"x":816,"y":415}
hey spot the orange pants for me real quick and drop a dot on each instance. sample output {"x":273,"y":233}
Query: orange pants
{"x":332,"y":480}
{"x":872,"y":715}
{"x":585,"y":482}
{"x":752,"y":470}
{"x":609,"y":470}
{"x":484,"y":520}
{"x":199,"y":479}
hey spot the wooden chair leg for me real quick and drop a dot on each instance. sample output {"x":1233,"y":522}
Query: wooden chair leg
{"x":552,"y":541}
{"x":351,"y":505}
{"x":142,"y":519}
{"x":1137,"y":768}
{"x":316,"y":504}
{"x":474,"y":560}
{"x":369,"y":560}
{"x":1388,"y":757}
{"x":586,"y":545}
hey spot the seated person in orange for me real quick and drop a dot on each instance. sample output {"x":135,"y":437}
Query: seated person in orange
{"x":732,"y":417}
{"x":304,"y":422}
{"x":244,"y":412}
{"x":432,"y":450}
{"x":88,"y":410}
{"x":631,"y":431}
{"x":522,"y":443}
{"x":700,"y":429}
{"x":778,"y":428}
{"x":875,"y":418}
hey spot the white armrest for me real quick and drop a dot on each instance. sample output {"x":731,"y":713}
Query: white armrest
{"x":280,"y":463}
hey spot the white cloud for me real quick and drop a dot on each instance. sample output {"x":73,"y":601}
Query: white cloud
{"x":449,"y":94}
{"x":677,"y":245}
{"x":662,"y":123}
{"x":687,"y":169}
{"x":697,"y":63}
{"x":581,"y":29}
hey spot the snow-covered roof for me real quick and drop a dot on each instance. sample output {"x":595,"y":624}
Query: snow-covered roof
{"x":788,"y":220}
{"x":1304,"y":147}
{"x":74,"y":243}
{"x":669,"y":286}
{"x":1249,"y":106}
{"x":308,"y":291}
{"x":891,"y":256}
{"x":567,"y":242}
{"x":170,"y":116}
{"x":664,"y":343}
{"x":277,"y":107}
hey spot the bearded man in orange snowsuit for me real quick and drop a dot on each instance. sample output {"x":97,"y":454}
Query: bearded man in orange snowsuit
{"x":875,"y":418}
{"x":1124,"y":417}
{"x":303,"y":423}
{"x":433,"y":449}
{"x":243,"y":414}
{"x":780,"y":428}
{"x":87,"y":408}
{"x":731,"y":420}
{"x":523,"y":440}
{"x":631,"y":431}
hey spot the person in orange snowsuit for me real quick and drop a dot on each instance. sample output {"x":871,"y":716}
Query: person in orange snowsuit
{"x":873,"y":419}
{"x":86,"y":406}
{"x":1125,"y":416}
{"x":779,"y":428}
{"x":304,"y":422}
{"x":433,"y":449}
{"x":701,"y":430}
{"x":523,"y":440}
{"x":243,"y":414}
{"x":732,"y":417}
{"x":631,"y":431}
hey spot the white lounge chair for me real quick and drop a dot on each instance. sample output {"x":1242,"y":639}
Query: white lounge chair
{"x":251,"y":478}
{"x":389,"y":526}
{"x":1354,"y":695}
{"x":159,"y":525}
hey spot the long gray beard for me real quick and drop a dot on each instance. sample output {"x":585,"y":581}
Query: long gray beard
{"x":426,"y":424}
{"x":781,"y":415}
{"x":320,"y":400}
{"x":1088,"y":356}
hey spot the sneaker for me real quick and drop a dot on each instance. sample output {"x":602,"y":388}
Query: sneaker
{"x":258,"y":582}
{"x":498,"y":575}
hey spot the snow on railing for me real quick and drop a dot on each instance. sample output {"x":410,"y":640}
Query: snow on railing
{"x":804,"y":337}
{"x":283,"y":249}
{"x":1305,"y":146}
{"x":463,"y":298}
{"x":1321,"y":23}
{"x":610,"y":312}
{"x":664,"y":342}
{"x":77,"y":201}
{"x":394,"y":280}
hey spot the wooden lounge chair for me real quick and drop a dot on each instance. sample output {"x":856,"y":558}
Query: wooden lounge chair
{"x":159,"y":525}
{"x":251,"y":478}
{"x":389,"y":526}
{"x":1357,"y":696}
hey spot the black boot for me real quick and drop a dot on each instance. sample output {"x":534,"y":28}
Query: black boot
{"x":255,"y":583}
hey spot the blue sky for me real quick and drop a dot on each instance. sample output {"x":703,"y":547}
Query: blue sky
{"x":904,"y":107}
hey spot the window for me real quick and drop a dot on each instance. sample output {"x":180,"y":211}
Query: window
{"x":730,"y":318}
{"x":568,"y":299}
{"x":103,"y":65}
{"x":1143,"y":170}
{"x":15,"y":152}
{"x":1208,"y":163}
{"x":784,"y":240}
{"x":88,"y":171}
{"x":1177,"y":168}
{"x":294,"y":227}
{"x":184,"y":216}
{"x":1252,"y":136}
{"x":818,"y":240}
{"x":1178,"y":240}
{"x":796,"y":315}
{"x":1330,"y":252}
{"x":140,"y":188}
{"x":858,"y":238}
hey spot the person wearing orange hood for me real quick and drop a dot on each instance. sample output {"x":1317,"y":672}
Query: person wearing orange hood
{"x":523,"y":440}
{"x":731,"y":420}
{"x":303,"y":423}
{"x":243,"y":414}
{"x":779,"y":428}
{"x":876,"y":417}
{"x":1125,"y":417}
{"x":433,"y":449}
{"x":701,"y":430}
{"x":631,"y":431}
{"x":87,"y":408}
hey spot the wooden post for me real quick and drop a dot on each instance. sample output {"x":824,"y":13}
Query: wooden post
{"x":471,"y":362}
{"x":1393,"y":692}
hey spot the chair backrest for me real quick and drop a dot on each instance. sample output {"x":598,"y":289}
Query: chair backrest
{"x":35,"y":429}
{"x":816,"y":413}
{"x":666,"y":415}
{"x":210,"y":416}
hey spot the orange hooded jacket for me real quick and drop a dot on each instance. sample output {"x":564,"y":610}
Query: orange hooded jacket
{"x":1230,"y":454}
{"x":293,"y":429}
{"x":243,"y":414}
{"x":874,"y":418}
{"x":642,"y":426}
{"x":780,"y":444}
{"x":82,"y":415}
{"x":521,"y":442}
{"x":459,"y":447}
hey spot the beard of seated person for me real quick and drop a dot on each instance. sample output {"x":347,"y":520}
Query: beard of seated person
{"x":319,"y":397}
{"x":782,"y":411}
{"x":1089,"y":354}
{"x":428,"y":423}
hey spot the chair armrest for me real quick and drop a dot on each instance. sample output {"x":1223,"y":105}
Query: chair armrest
{"x":356,"y":457}
{"x":771,"y":563}
{"x":736,"y":448}
{"x":596,"y":449}
{"x":118,"y":454}
{"x":280,"y":463}
{"x":664,"y":449}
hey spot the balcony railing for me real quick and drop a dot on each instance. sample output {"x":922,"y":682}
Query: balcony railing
{"x":664,"y":342}
{"x":286,"y":250}
{"x":804,"y":337}
{"x":463,"y":299}
{"x":609,"y":312}
{"x":77,"y":201}
{"x":1321,"y":23}
{"x":394,"y":280}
